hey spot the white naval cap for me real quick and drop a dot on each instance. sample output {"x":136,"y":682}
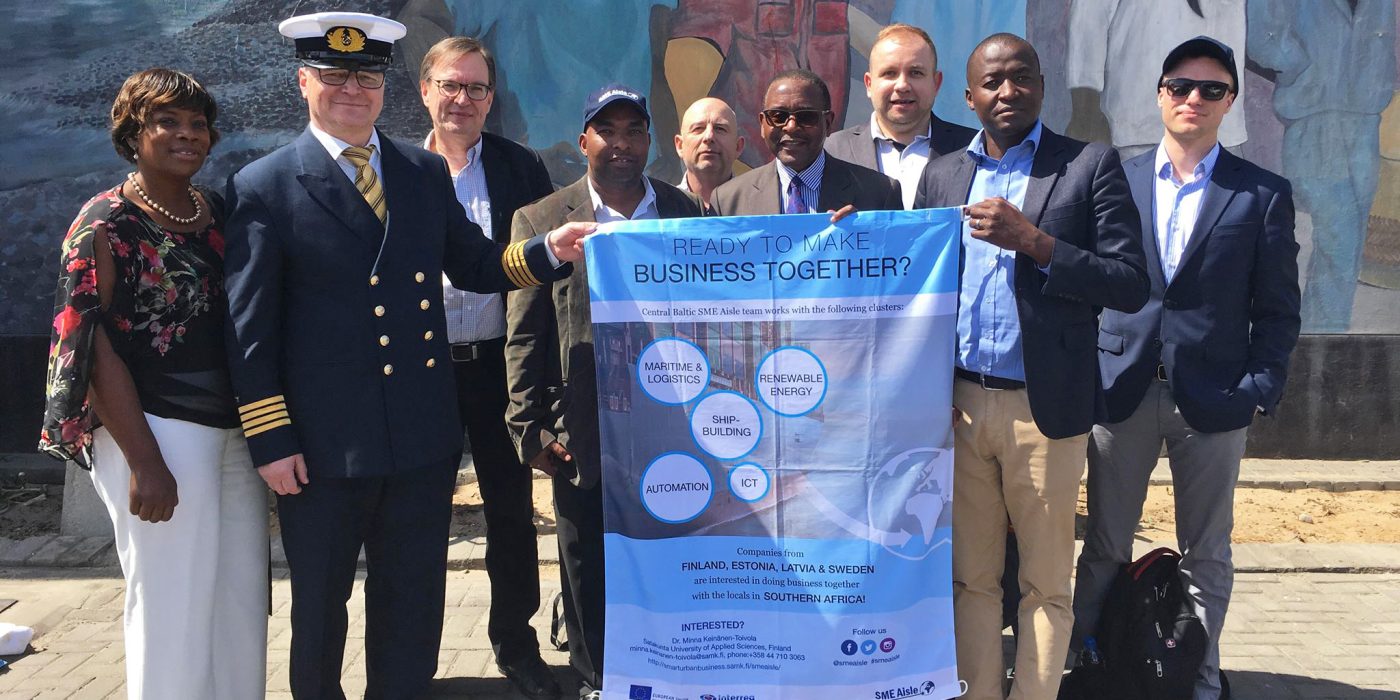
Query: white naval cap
{"x":327,"y":38}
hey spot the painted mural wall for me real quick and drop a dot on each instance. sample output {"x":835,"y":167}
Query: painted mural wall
{"x":1318,"y":104}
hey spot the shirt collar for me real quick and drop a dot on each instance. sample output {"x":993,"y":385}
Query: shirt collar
{"x":879,"y":134}
{"x":335,"y":146}
{"x":648,"y":199}
{"x":978,"y":150}
{"x":1203,"y":169}
{"x":811,"y":178}
{"x":473,"y":153}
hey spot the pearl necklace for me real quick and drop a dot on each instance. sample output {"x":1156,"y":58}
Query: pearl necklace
{"x":198,"y":209}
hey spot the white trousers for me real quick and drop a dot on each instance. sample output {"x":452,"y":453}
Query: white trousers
{"x":196,"y":586}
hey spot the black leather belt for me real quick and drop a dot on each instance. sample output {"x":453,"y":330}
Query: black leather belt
{"x":467,"y":352}
{"x":1161,"y":373}
{"x":987,"y":381}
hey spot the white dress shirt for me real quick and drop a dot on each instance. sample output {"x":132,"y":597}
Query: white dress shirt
{"x":336,"y":147}
{"x":472,"y":317}
{"x":1176,"y":205}
{"x":905,"y":165}
{"x":604,"y":214}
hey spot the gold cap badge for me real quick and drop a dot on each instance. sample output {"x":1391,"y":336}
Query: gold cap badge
{"x":345,"y":39}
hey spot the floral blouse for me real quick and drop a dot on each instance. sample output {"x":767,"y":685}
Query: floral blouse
{"x":165,"y":322}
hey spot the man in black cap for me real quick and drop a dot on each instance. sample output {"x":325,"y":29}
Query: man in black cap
{"x":1208,"y":351}
{"x":336,"y":247}
{"x":549,"y":353}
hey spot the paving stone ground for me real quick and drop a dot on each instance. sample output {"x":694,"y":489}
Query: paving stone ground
{"x":1289,"y":636}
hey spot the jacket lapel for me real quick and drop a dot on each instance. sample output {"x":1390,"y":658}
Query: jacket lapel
{"x":1045,"y":172}
{"x":498,"y":190}
{"x":1142,"y":181}
{"x":837,"y":186}
{"x":767,"y":192}
{"x":1219,"y":191}
{"x":396,"y":183}
{"x":327,"y":184}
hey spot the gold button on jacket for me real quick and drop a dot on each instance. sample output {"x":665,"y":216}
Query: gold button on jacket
{"x":383,"y":340}
{"x":378,"y":311}
{"x":388,"y":369}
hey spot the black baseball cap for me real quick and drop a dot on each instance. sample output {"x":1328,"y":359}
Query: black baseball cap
{"x":1203,"y":47}
{"x":610,"y":93}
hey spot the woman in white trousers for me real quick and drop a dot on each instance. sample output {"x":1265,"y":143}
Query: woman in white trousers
{"x":138,"y":392}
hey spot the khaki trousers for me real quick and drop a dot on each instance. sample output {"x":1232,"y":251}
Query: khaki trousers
{"x":1005,"y":469}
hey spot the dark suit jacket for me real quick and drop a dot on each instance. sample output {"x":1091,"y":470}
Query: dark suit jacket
{"x":1226,"y":324}
{"x":337,"y":342}
{"x":1078,"y":195}
{"x":515,"y":176}
{"x":856,"y":145}
{"x":550,"y":369}
{"x":757,"y":191}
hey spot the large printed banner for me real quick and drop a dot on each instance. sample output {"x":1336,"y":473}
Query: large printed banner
{"x":774,"y":396}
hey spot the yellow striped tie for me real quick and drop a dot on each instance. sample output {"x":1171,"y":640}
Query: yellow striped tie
{"x":366,"y":181}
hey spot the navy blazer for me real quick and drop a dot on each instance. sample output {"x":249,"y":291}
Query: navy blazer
{"x":1226,"y":324}
{"x":1078,"y":195}
{"x":337,"y":339}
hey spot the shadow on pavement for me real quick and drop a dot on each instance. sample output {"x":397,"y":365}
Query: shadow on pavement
{"x":1258,"y":685}
{"x":499,"y":688}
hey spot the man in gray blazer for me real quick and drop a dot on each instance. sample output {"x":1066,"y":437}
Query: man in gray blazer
{"x":903,"y":133}
{"x":553,"y":412}
{"x":795,"y":121}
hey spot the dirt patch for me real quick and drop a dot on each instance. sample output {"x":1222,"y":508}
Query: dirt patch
{"x":468,"y":519}
{"x":1272,"y":516}
{"x":29,"y":510}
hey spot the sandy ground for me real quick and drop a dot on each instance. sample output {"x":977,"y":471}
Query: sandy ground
{"x":1261,"y":515}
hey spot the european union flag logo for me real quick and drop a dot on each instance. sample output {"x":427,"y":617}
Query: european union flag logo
{"x":639,"y":692}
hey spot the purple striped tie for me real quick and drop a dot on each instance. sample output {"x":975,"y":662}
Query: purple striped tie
{"x":795,"y":205}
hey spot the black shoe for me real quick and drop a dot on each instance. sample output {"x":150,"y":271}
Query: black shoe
{"x":531,"y":677}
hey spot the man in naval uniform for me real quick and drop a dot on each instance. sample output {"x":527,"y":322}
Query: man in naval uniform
{"x":336,"y":247}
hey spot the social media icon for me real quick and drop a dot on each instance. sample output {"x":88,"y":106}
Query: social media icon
{"x":887,"y":644}
{"x":848,"y":647}
{"x":867,"y":647}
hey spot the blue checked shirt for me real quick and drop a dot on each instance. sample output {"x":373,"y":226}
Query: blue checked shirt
{"x":809,"y":182}
{"x":470,"y":316}
{"x":989,"y":331}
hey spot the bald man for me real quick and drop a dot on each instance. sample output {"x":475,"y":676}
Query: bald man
{"x":709,"y":144}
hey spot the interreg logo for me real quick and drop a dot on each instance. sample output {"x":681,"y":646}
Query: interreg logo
{"x":639,"y":692}
{"x":906,"y":691}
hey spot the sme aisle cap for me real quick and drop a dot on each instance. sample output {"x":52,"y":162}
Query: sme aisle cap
{"x":333,"y":39}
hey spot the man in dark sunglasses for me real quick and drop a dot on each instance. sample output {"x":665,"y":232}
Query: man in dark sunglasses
{"x":795,"y":121}
{"x":1207,"y":352}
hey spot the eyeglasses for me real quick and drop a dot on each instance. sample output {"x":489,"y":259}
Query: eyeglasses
{"x":476,"y":92}
{"x":1211,"y":90}
{"x":806,"y":118}
{"x":369,"y":80}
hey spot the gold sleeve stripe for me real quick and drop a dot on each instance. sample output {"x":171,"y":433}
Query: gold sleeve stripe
{"x":525,"y":267}
{"x":259,"y":412}
{"x":522,"y":268}
{"x":255,"y":422}
{"x":259,"y":404}
{"x":509,"y":264}
{"x":264,"y":428}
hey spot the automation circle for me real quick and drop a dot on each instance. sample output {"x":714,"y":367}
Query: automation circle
{"x":749,"y":482}
{"x":673,"y":371}
{"x":726,"y":425}
{"x":791,"y":381}
{"x":676,"y":487}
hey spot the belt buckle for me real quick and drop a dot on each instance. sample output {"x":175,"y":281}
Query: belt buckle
{"x":982,"y":379}
{"x":1161,"y":373}
{"x":465,"y":352}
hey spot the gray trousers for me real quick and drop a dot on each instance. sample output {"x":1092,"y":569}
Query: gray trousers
{"x":1204,"y":468}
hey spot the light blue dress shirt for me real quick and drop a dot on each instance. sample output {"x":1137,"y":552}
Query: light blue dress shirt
{"x":1176,"y":206}
{"x":989,"y":331}
{"x":809,"y":182}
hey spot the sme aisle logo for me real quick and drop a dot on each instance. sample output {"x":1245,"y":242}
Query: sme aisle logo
{"x":906,"y":691}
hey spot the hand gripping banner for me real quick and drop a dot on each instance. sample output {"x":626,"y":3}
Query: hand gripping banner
{"x":774,"y":395}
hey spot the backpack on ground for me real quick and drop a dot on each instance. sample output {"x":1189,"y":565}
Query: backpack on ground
{"x":1149,"y":645}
